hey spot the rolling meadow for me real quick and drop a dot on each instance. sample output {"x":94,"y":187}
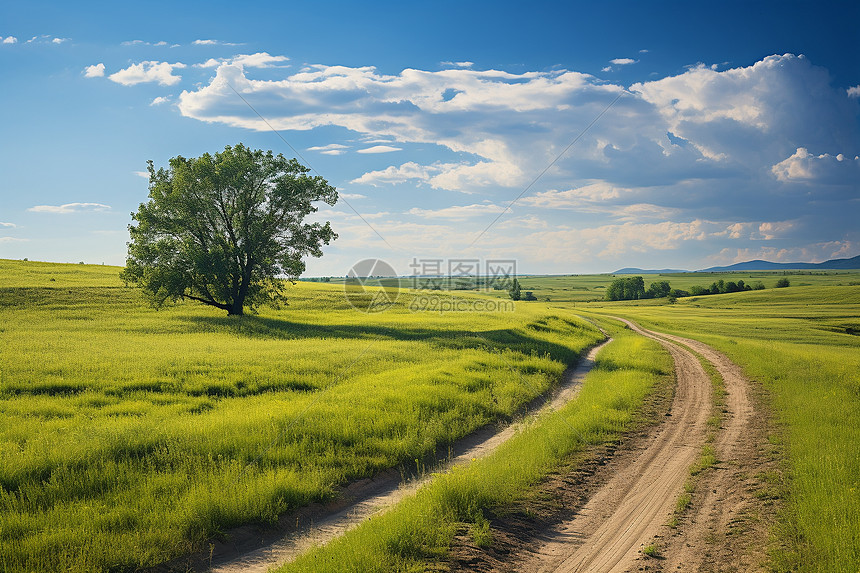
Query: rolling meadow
{"x":130,"y":436}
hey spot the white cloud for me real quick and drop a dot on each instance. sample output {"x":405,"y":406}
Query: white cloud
{"x":352,"y":195}
{"x":8,"y":225}
{"x":451,"y":176}
{"x":397,"y":174}
{"x":457,"y":212}
{"x":144,"y":174}
{"x":330,"y":149}
{"x":574,"y":198}
{"x":70,"y":208}
{"x":150,"y":71}
{"x":144,"y":43}
{"x":379,"y":149}
{"x":94,"y":71}
{"x":623,"y":61}
{"x":854,"y":91}
{"x":159,"y":100}
{"x":213,"y":43}
{"x":258,"y":60}
{"x":643,"y":51}
{"x":12,"y":240}
{"x":694,"y":152}
{"x":9,"y":40}
{"x":458,"y":64}
{"x":59,"y":40}
{"x":803,"y":166}
{"x":606,"y":69}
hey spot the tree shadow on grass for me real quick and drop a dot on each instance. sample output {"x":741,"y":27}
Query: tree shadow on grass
{"x":460,"y":339}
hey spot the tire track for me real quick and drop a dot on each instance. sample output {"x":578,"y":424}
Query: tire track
{"x":607,"y":534}
{"x":380,"y":495}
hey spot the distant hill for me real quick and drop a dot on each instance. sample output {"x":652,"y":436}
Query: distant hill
{"x":635,"y":271}
{"x":759,"y":265}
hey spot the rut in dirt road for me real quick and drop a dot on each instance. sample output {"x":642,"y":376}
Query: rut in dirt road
{"x":384,"y":494}
{"x":607,"y":534}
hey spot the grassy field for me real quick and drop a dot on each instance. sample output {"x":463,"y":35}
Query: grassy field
{"x":802,"y":343}
{"x":591,"y":288}
{"x":416,"y":535}
{"x":130,"y":436}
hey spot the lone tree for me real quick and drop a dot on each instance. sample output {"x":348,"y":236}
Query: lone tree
{"x":220,"y":229}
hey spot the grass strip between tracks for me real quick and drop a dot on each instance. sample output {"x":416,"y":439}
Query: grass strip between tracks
{"x":418,"y":532}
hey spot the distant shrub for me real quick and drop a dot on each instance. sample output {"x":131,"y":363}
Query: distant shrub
{"x":782,"y":283}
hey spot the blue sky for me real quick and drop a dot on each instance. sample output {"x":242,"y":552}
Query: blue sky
{"x":724,"y":132}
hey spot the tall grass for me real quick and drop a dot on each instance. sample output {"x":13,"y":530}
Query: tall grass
{"x":801,"y":343}
{"x":130,"y":436}
{"x":416,"y":534}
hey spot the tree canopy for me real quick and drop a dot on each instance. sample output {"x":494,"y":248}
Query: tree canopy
{"x":220,"y":229}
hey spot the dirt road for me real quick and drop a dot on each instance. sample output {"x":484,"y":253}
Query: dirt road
{"x":629,"y":511}
{"x":375,"y":496}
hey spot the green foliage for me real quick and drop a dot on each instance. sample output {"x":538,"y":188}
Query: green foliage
{"x":782,"y":283}
{"x":218,"y":229}
{"x":514,"y":291}
{"x":658,"y":290}
{"x":129,"y":437}
{"x":627,"y":288}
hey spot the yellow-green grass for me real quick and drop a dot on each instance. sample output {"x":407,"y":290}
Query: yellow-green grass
{"x":130,"y":436}
{"x":802,"y":344}
{"x":417,"y":533}
{"x":590,"y":288}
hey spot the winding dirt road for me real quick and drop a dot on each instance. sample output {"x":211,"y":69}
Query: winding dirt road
{"x":631,"y":509}
{"x":375,"y":496}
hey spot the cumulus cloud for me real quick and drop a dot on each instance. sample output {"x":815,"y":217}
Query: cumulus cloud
{"x":94,"y":71}
{"x":9,"y":40}
{"x":690,"y":155}
{"x":213,"y":43}
{"x":258,"y":60}
{"x":150,"y":71}
{"x":803,"y":166}
{"x":59,"y":40}
{"x":159,"y":100}
{"x":458,"y":64}
{"x":854,"y":91}
{"x":70,"y":208}
{"x":379,"y":149}
{"x":351,"y":195}
{"x":414,"y":106}
{"x":623,"y":61}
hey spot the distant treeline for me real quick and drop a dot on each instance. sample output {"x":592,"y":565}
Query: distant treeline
{"x":633,"y":288}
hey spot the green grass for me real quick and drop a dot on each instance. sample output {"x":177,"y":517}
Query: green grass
{"x":130,"y":436}
{"x":417,"y":533}
{"x":801,"y":343}
{"x":591,"y":288}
